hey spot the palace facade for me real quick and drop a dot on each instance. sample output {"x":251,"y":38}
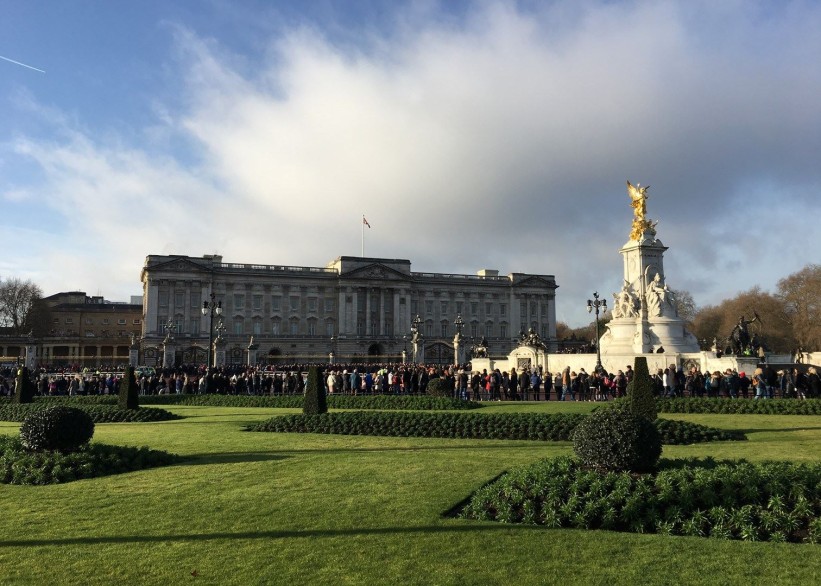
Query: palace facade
{"x":353,"y":308}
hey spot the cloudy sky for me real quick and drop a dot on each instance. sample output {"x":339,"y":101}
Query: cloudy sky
{"x":470,"y":134}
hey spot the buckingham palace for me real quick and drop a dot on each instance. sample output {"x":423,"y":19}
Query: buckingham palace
{"x":353,"y":309}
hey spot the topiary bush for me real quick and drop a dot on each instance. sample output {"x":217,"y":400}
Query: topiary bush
{"x":616,"y":440}
{"x":60,"y":428}
{"x":438,"y":387}
{"x":129,"y":396}
{"x":315,"y":400}
{"x":24,"y":389}
{"x":640,"y":399}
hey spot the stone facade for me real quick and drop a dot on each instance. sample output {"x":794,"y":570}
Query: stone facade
{"x":354,"y":307}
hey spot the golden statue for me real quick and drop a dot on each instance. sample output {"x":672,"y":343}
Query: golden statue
{"x":638,"y":197}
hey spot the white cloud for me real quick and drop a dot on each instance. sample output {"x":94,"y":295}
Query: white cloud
{"x":502,"y":141}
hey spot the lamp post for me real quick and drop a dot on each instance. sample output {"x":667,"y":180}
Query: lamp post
{"x":211,"y":308}
{"x":595,"y":303}
{"x":459,"y":323}
{"x":415,"y":334}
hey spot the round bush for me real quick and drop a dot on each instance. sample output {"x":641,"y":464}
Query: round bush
{"x":616,"y":440}
{"x":438,"y":387}
{"x":59,"y":428}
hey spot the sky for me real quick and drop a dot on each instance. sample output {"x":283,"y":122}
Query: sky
{"x":471,"y":135}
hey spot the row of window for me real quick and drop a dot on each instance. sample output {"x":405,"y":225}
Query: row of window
{"x":240,"y":302}
{"x":90,"y":322}
{"x":312,"y":328}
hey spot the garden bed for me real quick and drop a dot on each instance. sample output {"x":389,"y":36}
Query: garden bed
{"x":21,"y":466}
{"x":513,"y":426}
{"x":99,"y":413}
{"x":770,"y":501}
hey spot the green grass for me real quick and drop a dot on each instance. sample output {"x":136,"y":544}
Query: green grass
{"x":251,"y":508}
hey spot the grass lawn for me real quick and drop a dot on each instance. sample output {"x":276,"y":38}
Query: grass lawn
{"x":251,"y":508}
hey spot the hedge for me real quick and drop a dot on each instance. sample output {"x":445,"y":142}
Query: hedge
{"x":740,"y":406}
{"x":768,"y":501}
{"x":21,"y":466}
{"x":508,"y":426}
{"x":98,"y":413}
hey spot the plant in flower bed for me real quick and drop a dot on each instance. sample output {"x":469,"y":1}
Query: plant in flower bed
{"x":381,"y":402}
{"x":769,"y":501}
{"x":19,"y":465}
{"x":59,"y":428}
{"x":741,"y":406}
{"x":510,"y":426}
{"x":616,"y":440}
{"x":675,"y":432}
{"x":98,"y":413}
{"x":517,"y":426}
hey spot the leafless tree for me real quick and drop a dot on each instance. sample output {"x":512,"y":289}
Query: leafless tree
{"x":17,"y":299}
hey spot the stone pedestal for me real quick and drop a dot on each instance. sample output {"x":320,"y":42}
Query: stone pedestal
{"x":168,"y":351}
{"x":252,"y":352}
{"x":219,"y":352}
{"x":31,"y":356}
{"x":645,"y":319}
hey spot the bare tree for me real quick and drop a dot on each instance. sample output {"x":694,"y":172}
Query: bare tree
{"x":685,"y":305}
{"x":17,"y":299}
{"x":801,"y":296}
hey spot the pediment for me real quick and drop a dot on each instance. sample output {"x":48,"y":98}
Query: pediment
{"x":376,"y":272}
{"x":180,"y":265}
{"x":539,"y":281}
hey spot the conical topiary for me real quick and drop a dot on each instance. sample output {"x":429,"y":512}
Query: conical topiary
{"x":640,"y":399}
{"x":315,"y":401}
{"x":24,"y":389}
{"x":128,"y":398}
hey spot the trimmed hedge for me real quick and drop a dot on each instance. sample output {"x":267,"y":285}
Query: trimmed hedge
{"x":381,"y":402}
{"x":98,"y":413}
{"x":21,"y":466}
{"x":617,"y":440}
{"x":640,"y":391}
{"x":675,"y":432}
{"x":24,"y":388}
{"x":508,"y":426}
{"x":519,"y":426}
{"x":314,"y":402}
{"x":59,"y":427}
{"x":768,"y":501}
{"x":740,"y":406}
{"x":129,"y":392}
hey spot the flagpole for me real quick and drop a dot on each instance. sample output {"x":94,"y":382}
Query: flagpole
{"x":363,"y":235}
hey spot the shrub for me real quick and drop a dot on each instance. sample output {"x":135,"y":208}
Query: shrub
{"x":315,"y":401}
{"x":59,"y":428}
{"x":20,"y":466}
{"x":640,"y":391}
{"x":99,"y":413}
{"x":617,"y":440}
{"x":438,"y":387}
{"x":740,"y":406}
{"x":128,"y":390}
{"x":771,"y":501}
{"x":24,"y":389}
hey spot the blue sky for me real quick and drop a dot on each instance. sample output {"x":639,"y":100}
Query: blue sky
{"x":471,"y":134}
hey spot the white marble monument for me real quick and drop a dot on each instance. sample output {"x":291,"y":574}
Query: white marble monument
{"x":645,"y":319}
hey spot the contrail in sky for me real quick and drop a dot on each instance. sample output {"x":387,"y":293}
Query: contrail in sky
{"x":21,"y":64}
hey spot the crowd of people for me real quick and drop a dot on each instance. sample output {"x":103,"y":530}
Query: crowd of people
{"x":413,"y":379}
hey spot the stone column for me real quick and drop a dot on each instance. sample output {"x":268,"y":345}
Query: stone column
{"x":219,"y":352}
{"x":134,"y":352}
{"x":168,"y":349}
{"x":31,"y":355}
{"x":252,"y":352}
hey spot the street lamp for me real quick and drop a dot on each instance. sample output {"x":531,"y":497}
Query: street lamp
{"x":459,"y":323}
{"x":595,"y":303}
{"x":415,"y":334}
{"x":211,"y":308}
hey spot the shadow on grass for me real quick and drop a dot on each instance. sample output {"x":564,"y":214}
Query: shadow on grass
{"x":231,"y":458}
{"x":472,"y":527}
{"x":777,"y":429}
